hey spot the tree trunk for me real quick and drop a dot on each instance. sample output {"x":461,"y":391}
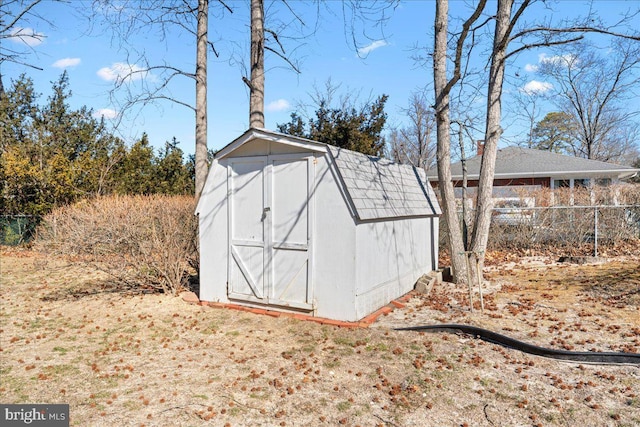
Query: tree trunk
{"x":493,"y":131}
{"x":256,"y":86}
{"x":443,"y":151}
{"x":467,"y":206}
{"x":201,"y":98}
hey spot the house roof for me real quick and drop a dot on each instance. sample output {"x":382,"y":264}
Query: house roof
{"x":518,"y":162}
{"x":376,"y":188}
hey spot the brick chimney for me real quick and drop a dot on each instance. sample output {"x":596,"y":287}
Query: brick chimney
{"x":480,"y":146}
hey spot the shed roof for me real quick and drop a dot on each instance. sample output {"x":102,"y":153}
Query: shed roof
{"x":377,"y":188}
{"x":382,"y":189}
{"x":512,"y":162}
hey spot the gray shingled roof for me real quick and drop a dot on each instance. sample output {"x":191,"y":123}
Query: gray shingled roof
{"x":381,"y":189}
{"x":524,"y":162}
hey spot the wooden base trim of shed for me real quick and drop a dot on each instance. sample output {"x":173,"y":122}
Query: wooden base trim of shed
{"x":362,"y":323}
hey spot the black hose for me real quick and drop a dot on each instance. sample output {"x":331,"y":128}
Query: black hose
{"x":503,"y":340}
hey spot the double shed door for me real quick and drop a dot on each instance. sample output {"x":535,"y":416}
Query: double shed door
{"x":270,"y":206}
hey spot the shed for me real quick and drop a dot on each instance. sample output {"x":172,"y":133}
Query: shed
{"x":291,"y":224}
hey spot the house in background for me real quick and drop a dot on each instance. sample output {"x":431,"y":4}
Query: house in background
{"x":527,"y":169}
{"x":296,"y":225}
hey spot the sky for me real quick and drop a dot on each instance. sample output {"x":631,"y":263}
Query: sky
{"x":382,"y":62}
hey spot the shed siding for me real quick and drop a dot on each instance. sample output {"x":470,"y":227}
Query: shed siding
{"x":371,"y":230}
{"x":334,"y":248}
{"x":213,"y":231}
{"x":260,"y":147}
{"x":392,"y":255}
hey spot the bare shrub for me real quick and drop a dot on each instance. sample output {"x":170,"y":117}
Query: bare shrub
{"x":573,"y":221}
{"x":147,"y":242}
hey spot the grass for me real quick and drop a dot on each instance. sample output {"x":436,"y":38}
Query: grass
{"x":263,"y":371}
{"x":343,"y":406}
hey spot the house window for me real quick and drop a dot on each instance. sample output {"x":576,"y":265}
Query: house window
{"x":603,"y":182}
{"x":583,"y":183}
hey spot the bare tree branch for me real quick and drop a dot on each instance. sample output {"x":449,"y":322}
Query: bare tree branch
{"x":577,"y":29}
{"x":19,"y":16}
{"x":466,"y":26}
{"x":543,"y":44}
{"x":293,"y":66}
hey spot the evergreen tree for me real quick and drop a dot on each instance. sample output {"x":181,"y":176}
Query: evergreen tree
{"x":136,"y":172}
{"x":51,"y":155}
{"x":357,"y":130}
{"x":172,"y":175}
{"x":555,"y":132}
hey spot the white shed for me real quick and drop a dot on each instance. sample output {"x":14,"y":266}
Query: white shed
{"x":296,"y":225}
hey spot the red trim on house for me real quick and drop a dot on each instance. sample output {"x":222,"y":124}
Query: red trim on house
{"x":543,"y":182}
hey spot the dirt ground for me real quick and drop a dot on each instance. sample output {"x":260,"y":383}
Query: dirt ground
{"x":68,"y":336}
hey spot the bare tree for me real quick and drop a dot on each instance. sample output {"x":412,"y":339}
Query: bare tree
{"x":201,"y":151}
{"x":129,"y":17}
{"x":191,"y":17}
{"x":526,"y":106}
{"x":443,"y":86}
{"x":594,"y":91}
{"x":256,"y":85}
{"x":508,"y":39}
{"x":415,"y":144}
{"x":17,"y":39}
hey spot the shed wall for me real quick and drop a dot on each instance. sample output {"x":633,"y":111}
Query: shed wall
{"x":334,"y":247}
{"x":391,"y":256}
{"x":356,"y":267}
{"x":214,"y":244}
{"x":261,"y":147}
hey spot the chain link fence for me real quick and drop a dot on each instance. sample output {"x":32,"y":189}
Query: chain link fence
{"x":17,"y":229}
{"x":511,"y":227}
{"x":564,"y":226}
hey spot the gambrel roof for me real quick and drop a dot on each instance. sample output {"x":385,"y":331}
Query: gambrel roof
{"x":381,"y":189}
{"x":376,"y":188}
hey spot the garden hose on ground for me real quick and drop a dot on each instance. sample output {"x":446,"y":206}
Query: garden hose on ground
{"x":503,"y":340}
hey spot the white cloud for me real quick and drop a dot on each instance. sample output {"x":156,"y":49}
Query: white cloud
{"x":567,"y":59}
{"x":535,"y":86}
{"x":107,"y":113}
{"x":531,"y":68}
{"x":66,"y":63}
{"x":27,"y":36}
{"x":364,"y":51}
{"x":122,"y":71}
{"x":278,"y":105}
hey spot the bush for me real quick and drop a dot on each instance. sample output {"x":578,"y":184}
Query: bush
{"x":564,"y":221}
{"x":568,"y":220}
{"x":146,"y":242}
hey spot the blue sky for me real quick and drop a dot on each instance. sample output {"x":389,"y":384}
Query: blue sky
{"x":385,"y":65}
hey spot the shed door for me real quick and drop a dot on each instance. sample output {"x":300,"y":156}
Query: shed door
{"x":270,"y":207}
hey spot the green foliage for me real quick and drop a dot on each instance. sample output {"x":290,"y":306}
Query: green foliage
{"x":172,"y":176}
{"x":135,"y":172}
{"x":348,"y":127}
{"x":52,"y":155}
{"x":555,"y":132}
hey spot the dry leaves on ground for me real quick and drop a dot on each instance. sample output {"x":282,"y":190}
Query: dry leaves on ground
{"x":155,"y":360}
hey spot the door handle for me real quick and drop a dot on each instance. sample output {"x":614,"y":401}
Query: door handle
{"x":264,"y":213}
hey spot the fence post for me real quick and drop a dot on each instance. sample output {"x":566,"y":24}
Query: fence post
{"x":595,"y":232}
